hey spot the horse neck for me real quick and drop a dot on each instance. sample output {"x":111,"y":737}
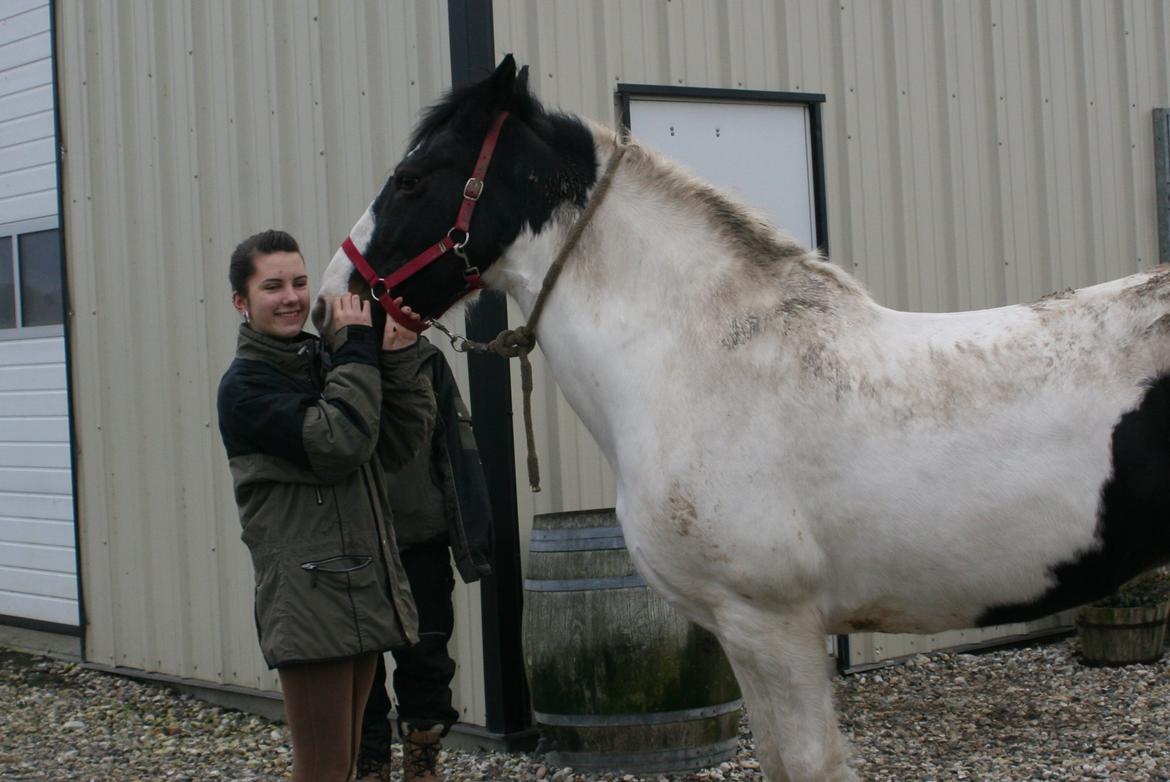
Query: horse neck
{"x":652,"y":284}
{"x":668,"y":250}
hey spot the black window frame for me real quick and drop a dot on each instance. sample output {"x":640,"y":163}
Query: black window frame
{"x":11,"y":232}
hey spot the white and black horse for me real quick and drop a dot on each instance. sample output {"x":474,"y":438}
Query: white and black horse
{"x":793,"y":459}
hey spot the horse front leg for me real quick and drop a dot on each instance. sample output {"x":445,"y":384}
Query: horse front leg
{"x":783,"y":671}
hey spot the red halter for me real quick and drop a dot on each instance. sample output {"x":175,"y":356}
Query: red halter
{"x":472,"y":191}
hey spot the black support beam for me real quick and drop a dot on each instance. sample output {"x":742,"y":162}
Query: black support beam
{"x":506,"y":692}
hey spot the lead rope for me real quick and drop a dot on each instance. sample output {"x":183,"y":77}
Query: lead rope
{"x":519,"y":342}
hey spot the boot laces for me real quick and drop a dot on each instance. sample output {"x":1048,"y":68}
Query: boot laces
{"x":420,"y":757}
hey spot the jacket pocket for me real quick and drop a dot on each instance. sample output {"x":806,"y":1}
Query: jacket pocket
{"x":341,"y":570}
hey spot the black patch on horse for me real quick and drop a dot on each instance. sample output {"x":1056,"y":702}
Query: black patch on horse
{"x":1132,"y":525}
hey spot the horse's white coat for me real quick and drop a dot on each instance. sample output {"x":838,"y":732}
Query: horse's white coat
{"x":794,"y":459}
{"x":337,"y":274}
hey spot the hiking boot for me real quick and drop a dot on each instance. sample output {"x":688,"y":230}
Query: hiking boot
{"x":372,"y":770}
{"x":420,"y":753}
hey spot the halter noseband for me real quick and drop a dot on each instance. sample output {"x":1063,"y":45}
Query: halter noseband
{"x":472,"y":190}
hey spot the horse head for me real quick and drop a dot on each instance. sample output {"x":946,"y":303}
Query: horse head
{"x":484,"y":164}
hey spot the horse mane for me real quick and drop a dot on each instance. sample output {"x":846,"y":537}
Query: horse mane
{"x":763,"y":248}
{"x":471,"y":109}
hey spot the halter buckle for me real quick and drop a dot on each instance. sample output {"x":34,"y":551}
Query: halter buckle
{"x":473,"y":189}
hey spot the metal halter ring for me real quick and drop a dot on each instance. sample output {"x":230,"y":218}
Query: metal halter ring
{"x":457,"y":247}
{"x":374,"y":295}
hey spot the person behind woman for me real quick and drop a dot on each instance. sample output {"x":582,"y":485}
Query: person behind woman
{"x":308,"y":444}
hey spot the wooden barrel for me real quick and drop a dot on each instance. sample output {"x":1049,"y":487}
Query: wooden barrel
{"x":1122,"y":636}
{"x":619,"y":680}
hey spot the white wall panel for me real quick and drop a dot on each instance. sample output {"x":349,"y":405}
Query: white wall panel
{"x":36,"y":530}
{"x":17,"y":530}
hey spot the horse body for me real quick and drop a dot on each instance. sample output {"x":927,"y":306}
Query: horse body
{"x":870,"y":451}
{"x":793,"y":459}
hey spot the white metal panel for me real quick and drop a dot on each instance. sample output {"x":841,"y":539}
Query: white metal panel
{"x":31,"y":352}
{"x":26,"y":103}
{"x":28,"y":172}
{"x":35,"y":480}
{"x":36,"y":377}
{"x":38,"y":557}
{"x":25,"y":128}
{"x":17,"y":530}
{"x":25,"y":77}
{"x":59,"y":586}
{"x":32,"y":403}
{"x":25,"y":503}
{"x":44,"y":608}
{"x":976,"y":153}
{"x":45,"y":429}
{"x":746,"y":148}
{"x":36,"y":534}
{"x":54,"y":455}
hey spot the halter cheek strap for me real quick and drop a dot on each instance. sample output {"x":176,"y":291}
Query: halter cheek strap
{"x":457,"y":237}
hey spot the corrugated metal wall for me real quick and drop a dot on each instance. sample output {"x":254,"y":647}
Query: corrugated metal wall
{"x":188,"y":126}
{"x":977,"y":153}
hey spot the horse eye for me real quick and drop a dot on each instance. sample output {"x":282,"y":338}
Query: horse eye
{"x":405,"y":183}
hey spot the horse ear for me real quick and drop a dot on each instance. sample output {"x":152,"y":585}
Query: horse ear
{"x":503,"y":81}
{"x":521,"y":87}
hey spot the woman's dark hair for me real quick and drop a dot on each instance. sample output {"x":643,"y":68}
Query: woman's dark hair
{"x":243,"y":265}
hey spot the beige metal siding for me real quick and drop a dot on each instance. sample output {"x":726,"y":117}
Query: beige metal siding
{"x":976,"y":153}
{"x":186,"y":127}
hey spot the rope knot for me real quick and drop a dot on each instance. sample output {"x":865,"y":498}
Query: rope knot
{"x":511,"y":343}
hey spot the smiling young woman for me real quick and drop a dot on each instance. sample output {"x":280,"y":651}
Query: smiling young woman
{"x":275,"y":299}
{"x":309,"y":438}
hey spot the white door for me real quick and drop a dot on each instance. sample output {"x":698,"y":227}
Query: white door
{"x":761,"y":152}
{"x":38,"y":560}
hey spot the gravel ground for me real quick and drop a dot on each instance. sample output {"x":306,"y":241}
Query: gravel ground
{"x":1028,"y":714}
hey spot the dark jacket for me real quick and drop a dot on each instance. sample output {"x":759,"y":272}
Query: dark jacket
{"x":307,"y":463}
{"x":443,"y":492}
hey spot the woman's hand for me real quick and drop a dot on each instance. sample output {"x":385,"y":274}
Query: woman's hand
{"x":349,"y":309}
{"x":395,"y":336}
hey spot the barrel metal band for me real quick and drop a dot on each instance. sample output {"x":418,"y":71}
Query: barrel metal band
{"x":577,"y":534}
{"x":629,"y":720}
{"x":583,"y":584}
{"x":666,"y":760}
{"x":1122,"y":626}
{"x":582,"y":539}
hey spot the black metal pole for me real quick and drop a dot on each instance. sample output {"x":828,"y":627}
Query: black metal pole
{"x":505,"y":687}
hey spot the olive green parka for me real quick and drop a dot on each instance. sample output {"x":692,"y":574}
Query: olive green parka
{"x":307,"y":450}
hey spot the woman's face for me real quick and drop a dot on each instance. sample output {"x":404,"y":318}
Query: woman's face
{"x":277,"y":303}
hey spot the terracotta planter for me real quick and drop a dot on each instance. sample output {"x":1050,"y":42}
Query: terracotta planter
{"x":1122,"y":636}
